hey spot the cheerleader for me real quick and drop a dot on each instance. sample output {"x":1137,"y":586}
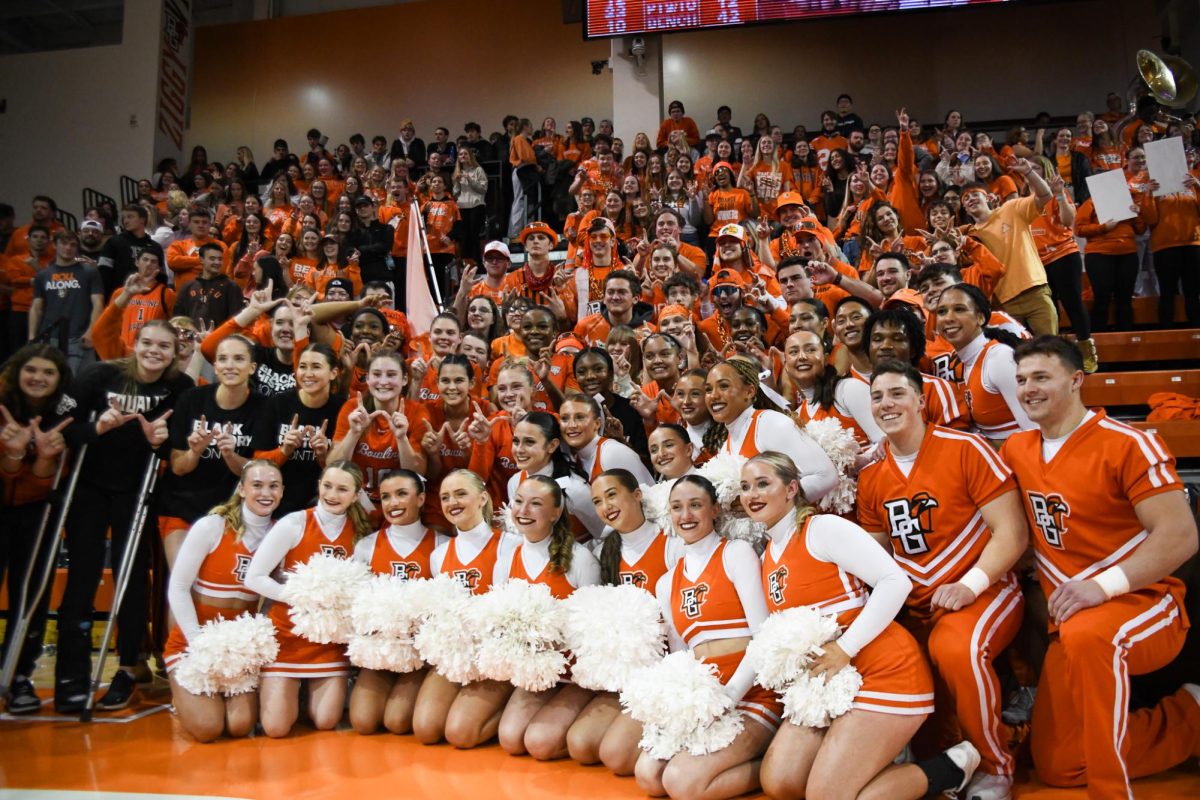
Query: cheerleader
{"x":214,"y":432}
{"x":403,"y":548}
{"x":989,"y":371}
{"x":582,"y":422}
{"x":821,"y":393}
{"x":833,"y":565}
{"x":464,"y":716}
{"x":134,"y":398}
{"x":492,"y":437}
{"x":746,"y":421}
{"x":538,"y":723}
{"x":330,"y":528}
{"x":207,"y":584}
{"x":715,"y":624}
{"x":33,"y":400}
{"x":671,"y":452}
{"x":688,"y":397}
{"x":637,"y":553}
{"x":537,"y":450}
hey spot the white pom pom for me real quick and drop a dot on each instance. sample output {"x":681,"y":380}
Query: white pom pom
{"x":724,"y":471}
{"x":448,"y":640}
{"x":320,"y":593}
{"x":226,"y":655}
{"x":503,"y":518}
{"x":839,"y":444}
{"x":815,"y":701}
{"x":682,"y":706}
{"x":656,"y":505}
{"x":520,"y":629}
{"x":386,"y":612}
{"x":612,"y":631}
{"x":381,"y":652}
{"x":786,"y":644}
{"x":737,"y":526}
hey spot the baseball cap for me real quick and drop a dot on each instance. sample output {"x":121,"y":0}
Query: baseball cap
{"x":906,"y":297}
{"x":364,"y":200}
{"x":587,"y":121}
{"x":788,"y":199}
{"x":497,"y":247}
{"x":539,"y":227}
{"x":91,"y":225}
{"x":732,"y":231}
{"x":340,"y":283}
{"x":725,"y":277}
{"x":568,"y":341}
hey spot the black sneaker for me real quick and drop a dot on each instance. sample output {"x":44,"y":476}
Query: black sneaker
{"x":70,"y":695}
{"x":119,"y":693}
{"x":22,"y":699}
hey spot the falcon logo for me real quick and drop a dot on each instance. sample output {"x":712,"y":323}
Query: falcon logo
{"x":776,"y":585}
{"x":948,"y":367}
{"x":469,"y":578}
{"x":335,"y":550}
{"x":407,"y":570}
{"x":240,"y":567}
{"x":910,"y":520}
{"x":693,"y":600}
{"x":637,"y":578}
{"x":1050,"y":512}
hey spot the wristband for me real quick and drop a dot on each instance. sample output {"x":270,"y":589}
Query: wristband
{"x":976,"y":580}
{"x":1113,"y":581}
{"x":837,"y":280}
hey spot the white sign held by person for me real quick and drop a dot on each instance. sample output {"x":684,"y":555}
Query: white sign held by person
{"x":1167,"y":164}
{"x":1110,"y":193}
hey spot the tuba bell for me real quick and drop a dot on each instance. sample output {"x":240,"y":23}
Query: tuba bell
{"x":1169,"y":80}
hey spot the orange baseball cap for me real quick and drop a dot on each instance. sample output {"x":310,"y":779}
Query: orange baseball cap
{"x":788,"y":199}
{"x":568,"y":341}
{"x":906,"y":297}
{"x":539,"y":227}
{"x":725,"y":277}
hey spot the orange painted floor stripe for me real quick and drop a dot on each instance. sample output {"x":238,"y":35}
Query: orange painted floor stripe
{"x":152,"y":754}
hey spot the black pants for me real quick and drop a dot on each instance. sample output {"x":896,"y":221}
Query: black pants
{"x":18,"y":527}
{"x":92,"y":512}
{"x":441,"y":268}
{"x":1176,"y":267}
{"x":1113,"y":279}
{"x":474,"y":221}
{"x":1066,"y":285}
{"x":17,"y":330}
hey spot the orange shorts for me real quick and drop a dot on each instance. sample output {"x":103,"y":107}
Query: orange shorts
{"x":896,"y":676}
{"x":168,"y":525}
{"x":300,"y":658}
{"x":759,"y":704}
{"x":177,"y":642}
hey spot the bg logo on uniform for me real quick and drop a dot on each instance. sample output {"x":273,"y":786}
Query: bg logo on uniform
{"x":1050,"y":512}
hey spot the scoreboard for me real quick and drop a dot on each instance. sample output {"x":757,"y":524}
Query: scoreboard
{"x":605,"y":18}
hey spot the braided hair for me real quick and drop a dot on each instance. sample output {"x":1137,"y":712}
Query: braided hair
{"x":746,"y":369}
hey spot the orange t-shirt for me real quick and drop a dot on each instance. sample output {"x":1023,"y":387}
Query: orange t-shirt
{"x":728,"y":205}
{"x":768,"y":184}
{"x":440,"y":216}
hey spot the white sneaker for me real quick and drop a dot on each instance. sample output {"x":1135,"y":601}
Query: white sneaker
{"x":988,"y":787}
{"x":965,"y":757}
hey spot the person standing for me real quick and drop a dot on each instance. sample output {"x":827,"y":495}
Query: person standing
{"x":212,"y":297}
{"x":118,"y":259}
{"x":68,"y":297}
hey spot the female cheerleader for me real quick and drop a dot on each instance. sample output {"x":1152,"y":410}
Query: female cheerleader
{"x":820,"y":393}
{"x":989,"y":372}
{"x":537,"y":448}
{"x":671,"y":451}
{"x":826,"y":562}
{"x":715,"y":625}
{"x":465,"y":716}
{"x":207,"y":584}
{"x":537,"y":723}
{"x":332,"y":527}
{"x":693,"y":411}
{"x":403,"y":548}
{"x":33,"y":400}
{"x":581,"y":426}
{"x":492,"y":437}
{"x":214,"y":432}
{"x":637,"y":553}
{"x":747,"y":422}
{"x":134,"y":398}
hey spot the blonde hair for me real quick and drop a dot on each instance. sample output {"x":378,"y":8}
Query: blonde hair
{"x":785,"y":469}
{"x":477,"y":483}
{"x":356,"y":513}
{"x":231,"y":509}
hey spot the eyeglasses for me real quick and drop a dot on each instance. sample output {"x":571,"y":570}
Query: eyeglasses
{"x":722,"y":291}
{"x":602,"y":237}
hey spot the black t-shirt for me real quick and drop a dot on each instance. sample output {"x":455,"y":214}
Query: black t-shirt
{"x":190,"y":496}
{"x":849,"y":123}
{"x":117,"y":460}
{"x":301,"y":471}
{"x":211,"y":300}
{"x":118,"y":258}
{"x":272,"y":377}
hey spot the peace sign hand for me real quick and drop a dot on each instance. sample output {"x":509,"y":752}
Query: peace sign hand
{"x":431,"y":440}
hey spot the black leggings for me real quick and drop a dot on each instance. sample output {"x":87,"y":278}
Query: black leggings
{"x":1175,"y":266}
{"x":474,"y":222}
{"x":1066,"y":286}
{"x":18,"y":527}
{"x":92,"y":513}
{"x":1113,"y":279}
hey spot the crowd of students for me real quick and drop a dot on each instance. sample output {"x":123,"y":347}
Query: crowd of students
{"x":258,"y":354}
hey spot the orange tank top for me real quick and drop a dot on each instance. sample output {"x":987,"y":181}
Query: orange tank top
{"x":645,"y":573}
{"x":796,"y":578}
{"x":223,"y":572}
{"x":749,"y":449}
{"x":991,"y":415}
{"x":709,"y":603}
{"x":806,"y":413}
{"x":386,"y":561}
{"x":314,"y":542}
{"x":597,"y":468}
{"x":557,"y":582}
{"x":476,"y":575}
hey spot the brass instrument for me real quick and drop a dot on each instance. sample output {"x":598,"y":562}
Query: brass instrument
{"x":1170,"y":80}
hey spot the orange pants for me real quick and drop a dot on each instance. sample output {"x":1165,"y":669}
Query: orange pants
{"x":963,"y":645}
{"x":1082,"y":730}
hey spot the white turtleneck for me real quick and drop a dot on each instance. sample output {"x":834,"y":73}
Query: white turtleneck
{"x":840,"y":542}
{"x":404,"y":539}
{"x":776,"y":431}
{"x":469,"y":544}
{"x":696,"y":434}
{"x":287,"y":533}
{"x":535,"y":556}
{"x":998,"y":373}
{"x":635,"y":544}
{"x":202,"y":539}
{"x":744,"y":572}
{"x":613,"y":455}
{"x":579,"y":497}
